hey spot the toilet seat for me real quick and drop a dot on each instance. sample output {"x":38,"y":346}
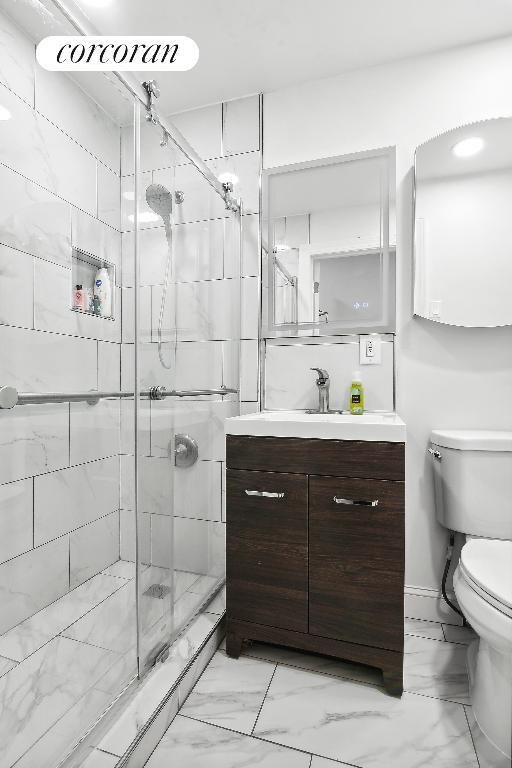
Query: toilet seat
{"x":486,"y":565}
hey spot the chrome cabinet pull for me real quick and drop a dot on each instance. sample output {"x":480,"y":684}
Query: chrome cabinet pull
{"x":266,"y":494}
{"x":356,"y":502}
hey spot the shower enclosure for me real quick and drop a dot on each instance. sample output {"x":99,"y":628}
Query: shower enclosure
{"x":111,"y":412}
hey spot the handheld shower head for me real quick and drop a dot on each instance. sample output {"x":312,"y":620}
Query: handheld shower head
{"x":159,"y":200}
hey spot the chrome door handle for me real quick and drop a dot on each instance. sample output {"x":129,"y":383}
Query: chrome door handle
{"x":356,"y":502}
{"x":266,"y":494}
{"x":435,"y":454}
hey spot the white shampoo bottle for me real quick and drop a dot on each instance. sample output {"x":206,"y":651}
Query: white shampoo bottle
{"x":103,"y":293}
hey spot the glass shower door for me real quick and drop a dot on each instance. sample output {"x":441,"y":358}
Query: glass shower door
{"x":188,"y":342}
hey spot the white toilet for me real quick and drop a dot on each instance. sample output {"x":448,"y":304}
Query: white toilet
{"x":473,"y":479}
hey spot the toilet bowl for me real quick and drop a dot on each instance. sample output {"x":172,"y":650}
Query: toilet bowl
{"x":483,"y":587}
{"x":473,"y":486}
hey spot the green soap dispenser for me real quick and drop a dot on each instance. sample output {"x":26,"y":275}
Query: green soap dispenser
{"x":356,"y":395}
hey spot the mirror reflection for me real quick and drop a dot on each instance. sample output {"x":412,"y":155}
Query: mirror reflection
{"x":463,"y":226}
{"x":330,"y":267}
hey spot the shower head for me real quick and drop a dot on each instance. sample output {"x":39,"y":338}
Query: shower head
{"x":159,"y":200}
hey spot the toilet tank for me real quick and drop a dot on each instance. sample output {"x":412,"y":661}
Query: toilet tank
{"x":473,"y":481}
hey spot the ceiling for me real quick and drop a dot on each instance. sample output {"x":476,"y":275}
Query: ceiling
{"x":262,"y":45}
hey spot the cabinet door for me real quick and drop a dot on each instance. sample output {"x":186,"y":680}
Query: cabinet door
{"x":356,"y":560}
{"x":267,"y":530}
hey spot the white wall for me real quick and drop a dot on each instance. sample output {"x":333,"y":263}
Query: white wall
{"x":447,"y":377}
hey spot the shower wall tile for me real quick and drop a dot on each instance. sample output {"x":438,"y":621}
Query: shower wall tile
{"x":47,"y":362}
{"x":33,"y":439}
{"x":202,"y":128}
{"x":155,"y":484}
{"x":200,"y":246}
{"x":70,"y":498}
{"x":128,"y":427}
{"x":60,"y":100}
{"x":52,"y":306}
{"x":109,"y":366}
{"x":208,"y":310}
{"x":201,"y":201}
{"x":199,"y":365}
{"x":16,"y":509}
{"x":128,"y":536}
{"x":250,"y":307}
{"x":16,"y":287}
{"x":199,"y":546}
{"x":93,"y":548}
{"x":32,"y":581}
{"x":96,"y":238}
{"x":147,"y":218}
{"x":33,"y":220}
{"x":197,"y":491}
{"x":109,"y":197}
{"x":151,"y":153}
{"x":128,"y":314}
{"x":17,"y":61}
{"x":241,"y":125}
{"x":94,"y":430}
{"x":250,"y":255}
{"x":162,"y":554}
{"x":37,"y":149}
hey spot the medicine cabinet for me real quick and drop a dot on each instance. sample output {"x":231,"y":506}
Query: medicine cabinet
{"x":463,"y":226}
{"x":328,"y":243}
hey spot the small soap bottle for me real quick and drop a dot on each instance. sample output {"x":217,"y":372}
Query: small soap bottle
{"x":79,"y":298}
{"x":356,"y":395}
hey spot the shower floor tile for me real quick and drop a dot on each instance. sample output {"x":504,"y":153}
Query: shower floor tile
{"x":62,"y":667}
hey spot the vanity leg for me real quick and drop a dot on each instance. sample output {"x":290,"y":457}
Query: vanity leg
{"x":233,"y":645}
{"x":394,"y":679}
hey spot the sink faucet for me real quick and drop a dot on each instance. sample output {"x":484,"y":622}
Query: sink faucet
{"x":323,"y":383}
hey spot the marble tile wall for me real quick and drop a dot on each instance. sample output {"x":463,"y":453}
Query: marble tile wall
{"x":202,"y":330}
{"x":59,"y":463}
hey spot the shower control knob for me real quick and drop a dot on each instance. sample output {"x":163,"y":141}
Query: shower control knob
{"x":186,"y":451}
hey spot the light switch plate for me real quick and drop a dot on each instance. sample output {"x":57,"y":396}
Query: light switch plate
{"x":370,"y":349}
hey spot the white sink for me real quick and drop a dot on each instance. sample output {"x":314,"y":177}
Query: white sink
{"x":385,"y":427}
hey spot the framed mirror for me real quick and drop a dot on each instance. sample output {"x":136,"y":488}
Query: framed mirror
{"x":328,"y":246}
{"x":463,"y":226}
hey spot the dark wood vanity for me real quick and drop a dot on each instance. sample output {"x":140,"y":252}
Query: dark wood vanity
{"x":315,"y":548}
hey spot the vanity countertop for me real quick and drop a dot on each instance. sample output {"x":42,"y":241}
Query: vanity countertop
{"x":378,"y":427}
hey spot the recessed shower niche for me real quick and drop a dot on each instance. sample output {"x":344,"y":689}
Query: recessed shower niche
{"x":93,"y":283}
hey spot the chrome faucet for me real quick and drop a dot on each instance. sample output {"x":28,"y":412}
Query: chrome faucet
{"x":323,"y":383}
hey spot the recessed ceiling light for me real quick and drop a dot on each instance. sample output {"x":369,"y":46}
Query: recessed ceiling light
{"x":227,"y":177}
{"x":4,"y":113}
{"x":468,"y":147}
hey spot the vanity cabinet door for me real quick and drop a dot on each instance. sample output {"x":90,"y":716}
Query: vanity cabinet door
{"x":356,"y":560}
{"x":267,"y":560}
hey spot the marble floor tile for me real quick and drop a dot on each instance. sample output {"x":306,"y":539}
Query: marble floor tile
{"x":112,"y":625}
{"x":437,"y":669}
{"x":6,"y":665}
{"x":430,"y":629}
{"x":35,"y":694}
{"x":123,"y":569}
{"x":230,"y":692}
{"x":362,"y":725}
{"x":314,"y":662}
{"x":324,"y":762}
{"x":21,"y":641}
{"x":192,"y":744}
{"x":464,"y":635}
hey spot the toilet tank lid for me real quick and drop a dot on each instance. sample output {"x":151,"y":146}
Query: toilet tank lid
{"x":472,"y":439}
{"x":488,"y":562}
